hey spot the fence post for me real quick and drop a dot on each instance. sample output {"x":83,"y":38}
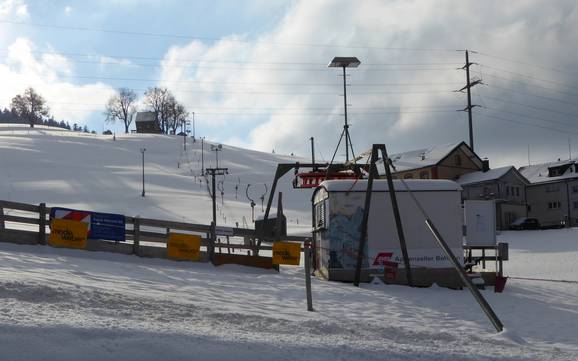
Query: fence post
{"x":136,"y":240}
{"x":2,"y":219}
{"x":307,"y":253}
{"x":42,"y":223}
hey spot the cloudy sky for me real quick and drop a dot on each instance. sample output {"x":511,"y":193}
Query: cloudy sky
{"x":255,"y":71}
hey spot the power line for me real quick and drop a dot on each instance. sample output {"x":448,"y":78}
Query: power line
{"x":527,"y":76}
{"x":532,"y":95}
{"x":533,"y":85}
{"x":565,"y":131}
{"x":533,"y":117}
{"x":207,"y":38}
{"x":531,"y":106}
{"x":558,"y":70}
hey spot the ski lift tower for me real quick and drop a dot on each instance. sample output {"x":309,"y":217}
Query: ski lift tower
{"x":345,"y":62}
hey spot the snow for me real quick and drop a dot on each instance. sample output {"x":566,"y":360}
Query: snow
{"x":416,"y":159}
{"x":480,"y":176}
{"x":63,"y":304}
{"x":538,"y":173}
{"x":94,"y":172}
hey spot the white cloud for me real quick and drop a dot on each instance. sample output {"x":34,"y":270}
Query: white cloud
{"x":68,"y":10}
{"x":11,"y":8}
{"x":49,"y":74}
{"x":213,"y":77}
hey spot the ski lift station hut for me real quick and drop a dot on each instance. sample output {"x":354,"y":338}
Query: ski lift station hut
{"x":338,"y":208}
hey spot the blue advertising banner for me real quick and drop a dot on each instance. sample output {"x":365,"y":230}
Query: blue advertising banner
{"x":105,"y":226}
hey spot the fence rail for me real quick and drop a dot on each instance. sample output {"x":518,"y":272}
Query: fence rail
{"x":143,"y":236}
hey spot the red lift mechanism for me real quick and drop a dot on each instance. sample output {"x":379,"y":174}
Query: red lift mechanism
{"x":316,"y":177}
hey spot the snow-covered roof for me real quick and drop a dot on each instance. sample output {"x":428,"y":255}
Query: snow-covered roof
{"x":480,"y":176}
{"x":419,"y":158}
{"x":381,"y":185}
{"x":538,"y":173}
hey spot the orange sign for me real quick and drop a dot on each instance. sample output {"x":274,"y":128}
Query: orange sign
{"x":287,"y":253}
{"x":184,"y":247}
{"x":68,"y":234}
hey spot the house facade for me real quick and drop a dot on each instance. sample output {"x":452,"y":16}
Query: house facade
{"x":505,"y":185}
{"x":448,"y":161}
{"x":146,"y":122}
{"x":553,"y":192}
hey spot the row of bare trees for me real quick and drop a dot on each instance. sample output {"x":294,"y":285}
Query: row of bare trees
{"x":169,"y":113}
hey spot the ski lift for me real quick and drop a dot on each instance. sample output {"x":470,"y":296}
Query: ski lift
{"x":315,"y":178}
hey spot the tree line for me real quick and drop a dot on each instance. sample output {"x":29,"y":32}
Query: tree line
{"x":169,"y":114}
{"x":30,"y":108}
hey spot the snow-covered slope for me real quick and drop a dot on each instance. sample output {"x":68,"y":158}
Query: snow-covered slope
{"x":59,"y":304}
{"x":95,"y":172}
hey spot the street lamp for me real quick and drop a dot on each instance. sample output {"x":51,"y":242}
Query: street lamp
{"x":217,"y":149}
{"x":142,"y":151}
{"x":345,"y":62}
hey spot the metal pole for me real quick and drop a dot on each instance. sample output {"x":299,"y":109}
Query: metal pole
{"x":473,"y":289}
{"x":346,"y":126}
{"x":213,"y":194}
{"x":194,"y":126}
{"x":312,"y":151}
{"x":469,"y":101}
{"x":307,"y":253}
{"x":143,"y":176}
{"x":397,"y":216}
{"x":203,"y":156}
{"x":363,"y":237}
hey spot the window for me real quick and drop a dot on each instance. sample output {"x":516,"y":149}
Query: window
{"x":458,"y":160}
{"x":517,"y":191}
{"x":320,"y":216}
{"x":507,"y":191}
{"x":575,"y":188}
{"x":424,"y":174}
{"x":575,"y":205}
{"x":408,"y":176}
{"x":554,"y":205}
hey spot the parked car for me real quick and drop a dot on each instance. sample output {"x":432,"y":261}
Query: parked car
{"x":525,"y":223}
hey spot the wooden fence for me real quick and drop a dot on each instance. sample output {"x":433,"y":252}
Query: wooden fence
{"x":24,"y":223}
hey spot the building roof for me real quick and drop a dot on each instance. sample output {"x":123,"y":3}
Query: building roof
{"x":480,"y":176}
{"x":421,"y":158}
{"x":145,"y":117}
{"x":380,"y":185}
{"x":538,"y":173}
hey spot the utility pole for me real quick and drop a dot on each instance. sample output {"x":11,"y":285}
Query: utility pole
{"x":215,"y":172}
{"x":217,"y":149}
{"x":143,"y":150}
{"x":468,"y":87}
{"x":194,"y":139}
{"x":312,"y":151}
{"x":203,"y":156}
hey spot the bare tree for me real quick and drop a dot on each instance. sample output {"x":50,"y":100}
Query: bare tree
{"x":177,"y":115}
{"x":30,"y":106}
{"x":121,"y":106}
{"x":160,"y":100}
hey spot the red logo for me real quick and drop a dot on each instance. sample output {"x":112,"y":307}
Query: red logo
{"x":382,"y":258}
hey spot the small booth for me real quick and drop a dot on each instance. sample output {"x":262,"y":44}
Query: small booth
{"x":338,"y":208}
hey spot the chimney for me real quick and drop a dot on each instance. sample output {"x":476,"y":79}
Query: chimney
{"x":485,"y":165}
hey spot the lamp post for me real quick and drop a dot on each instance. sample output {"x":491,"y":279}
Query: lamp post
{"x":217,"y":149}
{"x":142,"y":151}
{"x":345,"y":62}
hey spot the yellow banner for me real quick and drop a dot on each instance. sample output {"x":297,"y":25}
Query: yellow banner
{"x":184,"y":247}
{"x":68,"y":234}
{"x":286,"y":253}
